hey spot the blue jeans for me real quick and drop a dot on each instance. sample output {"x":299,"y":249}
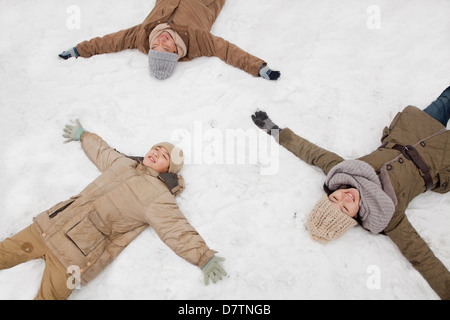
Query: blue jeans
{"x":440,"y":109}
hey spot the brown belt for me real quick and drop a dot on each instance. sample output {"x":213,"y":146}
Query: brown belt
{"x":411,"y":153}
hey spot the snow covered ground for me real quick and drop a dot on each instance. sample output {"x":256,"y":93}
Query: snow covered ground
{"x":347,"y":68}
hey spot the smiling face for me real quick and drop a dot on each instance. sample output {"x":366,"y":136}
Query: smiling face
{"x":158,"y":159}
{"x":346,"y":200}
{"x":164,"y":43}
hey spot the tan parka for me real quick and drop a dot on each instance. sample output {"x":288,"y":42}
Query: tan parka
{"x":89,"y":230}
{"x":432,"y":141}
{"x":192,"y":19}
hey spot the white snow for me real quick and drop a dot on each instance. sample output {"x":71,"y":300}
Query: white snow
{"x":342,"y":82}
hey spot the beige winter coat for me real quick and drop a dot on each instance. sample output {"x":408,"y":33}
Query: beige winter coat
{"x":92,"y":228}
{"x":432,"y":141}
{"x":192,"y":19}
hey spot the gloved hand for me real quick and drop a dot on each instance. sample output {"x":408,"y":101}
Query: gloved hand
{"x":73,"y":133}
{"x":268,"y":73}
{"x":213,"y":270}
{"x":262,"y":120}
{"x":73,"y":52}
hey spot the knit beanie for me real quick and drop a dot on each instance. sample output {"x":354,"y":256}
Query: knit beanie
{"x":326,"y":222}
{"x":161,"y":64}
{"x":176,"y":156}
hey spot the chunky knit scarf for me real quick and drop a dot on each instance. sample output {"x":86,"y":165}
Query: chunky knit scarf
{"x":376,"y":207}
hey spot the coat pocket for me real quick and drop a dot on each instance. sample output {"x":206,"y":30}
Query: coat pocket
{"x":56,"y":209}
{"x":443,"y":185}
{"x":89,"y":233}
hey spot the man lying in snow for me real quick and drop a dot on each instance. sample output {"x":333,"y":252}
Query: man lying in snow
{"x":175,"y":30}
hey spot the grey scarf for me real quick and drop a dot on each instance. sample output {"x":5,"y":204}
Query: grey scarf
{"x":376,"y":207}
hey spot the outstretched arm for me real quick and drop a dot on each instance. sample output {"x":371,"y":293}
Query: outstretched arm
{"x":113,"y":42}
{"x":178,"y":234}
{"x":307,"y":151}
{"x":302,"y":148}
{"x":210,"y":45}
{"x":97,"y":150}
{"x":419,"y":254}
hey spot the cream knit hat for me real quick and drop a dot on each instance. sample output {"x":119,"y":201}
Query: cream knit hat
{"x":176,"y":156}
{"x":327,"y":223}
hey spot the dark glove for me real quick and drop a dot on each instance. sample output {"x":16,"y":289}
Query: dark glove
{"x":263,"y":122}
{"x":268,"y":73}
{"x":73,"y":52}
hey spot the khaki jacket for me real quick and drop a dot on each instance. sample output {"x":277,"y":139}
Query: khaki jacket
{"x":192,"y":19}
{"x":90,"y":229}
{"x":432,"y":141}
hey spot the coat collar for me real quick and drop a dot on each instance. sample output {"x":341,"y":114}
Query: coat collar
{"x":173,"y":181}
{"x":147,"y":170}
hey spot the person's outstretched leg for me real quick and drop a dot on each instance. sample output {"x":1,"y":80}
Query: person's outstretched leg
{"x":27,"y":245}
{"x":54,"y":280}
{"x":440,"y":109}
{"x":19,"y":248}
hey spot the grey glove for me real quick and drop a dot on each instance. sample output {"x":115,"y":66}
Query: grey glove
{"x":72,"y":52}
{"x":73,"y":133}
{"x":213,"y":270}
{"x":263,"y":122}
{"x":268,"y":73}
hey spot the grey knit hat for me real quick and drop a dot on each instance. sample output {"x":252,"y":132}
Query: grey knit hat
{"x":161,"y":63}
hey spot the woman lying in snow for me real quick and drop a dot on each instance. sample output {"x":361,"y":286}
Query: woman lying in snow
{"x":90,"y":229}
{"x":175,"y":30}
{"x":375,"y":190}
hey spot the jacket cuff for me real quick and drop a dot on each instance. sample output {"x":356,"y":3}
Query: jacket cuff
{"x":206,"y":257}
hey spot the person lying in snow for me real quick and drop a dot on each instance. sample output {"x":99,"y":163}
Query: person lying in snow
{"x":90,"y":229}
{"x":175,"y":30}
{"x":375,"y":190}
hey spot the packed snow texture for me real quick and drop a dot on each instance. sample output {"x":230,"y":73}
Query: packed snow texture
{"x":347,"y":67}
